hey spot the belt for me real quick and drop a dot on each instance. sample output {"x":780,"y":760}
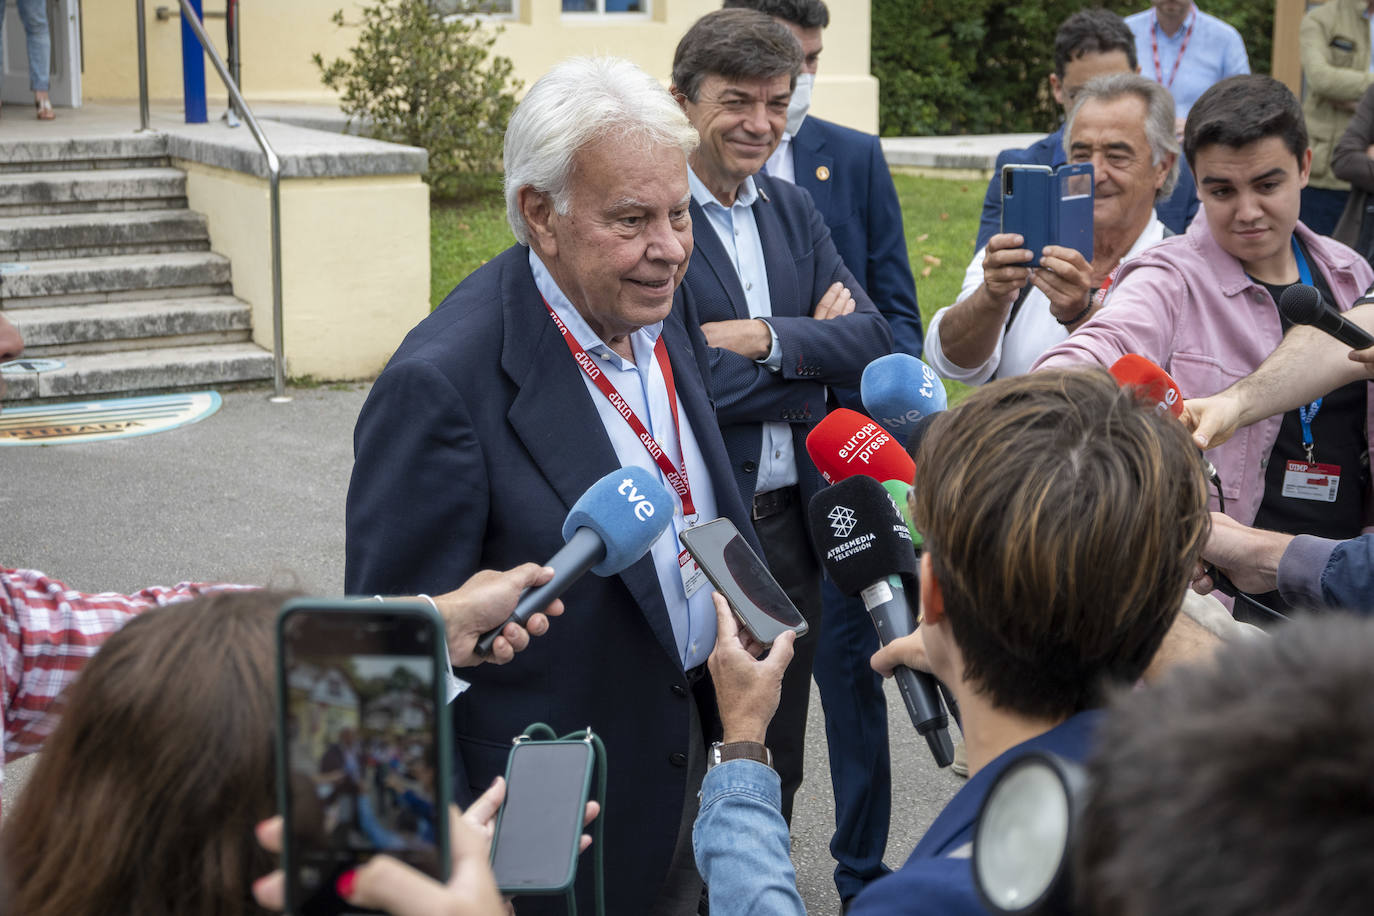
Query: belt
{"x":774,"y":501}
{"x":695,"y":674}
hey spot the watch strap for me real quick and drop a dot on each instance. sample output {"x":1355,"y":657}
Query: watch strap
{"x":740,"y":750}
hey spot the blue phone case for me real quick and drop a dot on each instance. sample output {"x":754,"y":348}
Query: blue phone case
{"x":1049,"y":207}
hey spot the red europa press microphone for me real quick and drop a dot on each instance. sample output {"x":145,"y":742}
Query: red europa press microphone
{"x":1152,"y":384}
{"x":847,"y":443}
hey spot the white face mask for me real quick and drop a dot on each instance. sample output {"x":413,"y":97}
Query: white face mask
{"x":801,"y":102}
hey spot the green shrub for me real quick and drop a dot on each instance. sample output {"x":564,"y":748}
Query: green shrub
{"x":982,"y":66}
{"x":417,"y":78}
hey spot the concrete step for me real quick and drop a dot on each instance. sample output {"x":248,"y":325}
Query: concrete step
{"x":110,"y":326}
{"x":77,"y":281}
{"x":33,"y":193}
{"x":140,"y":371}
{"x":120,"y":151}
{"x":73,"y":235}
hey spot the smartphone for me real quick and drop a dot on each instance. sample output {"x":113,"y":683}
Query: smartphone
{"x":737,"y":573}
{"x":539,"y":827}
{"x":363,"y":747}
{"x":1049,"y":207}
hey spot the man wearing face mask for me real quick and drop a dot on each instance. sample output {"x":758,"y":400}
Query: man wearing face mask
{"x":847,"y":176}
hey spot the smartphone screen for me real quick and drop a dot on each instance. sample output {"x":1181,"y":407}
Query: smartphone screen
{"x":537,"y":835}
{"x":360,"y":751}
{"x":738,"y":574}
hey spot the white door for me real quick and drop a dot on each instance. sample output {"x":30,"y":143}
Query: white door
{"x":64,"y":28}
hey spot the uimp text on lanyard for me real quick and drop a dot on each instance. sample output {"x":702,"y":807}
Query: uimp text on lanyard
{"x":676,"y":477}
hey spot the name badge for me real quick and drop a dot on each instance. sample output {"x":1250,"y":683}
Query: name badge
{"x":1318,"y":482}
{"x":692,"y":576}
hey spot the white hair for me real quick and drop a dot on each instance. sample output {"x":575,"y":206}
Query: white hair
{"x":1159,"y":117}
{"x":579,"y":101}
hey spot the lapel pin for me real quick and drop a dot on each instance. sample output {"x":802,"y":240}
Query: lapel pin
{"x":822,"y":173}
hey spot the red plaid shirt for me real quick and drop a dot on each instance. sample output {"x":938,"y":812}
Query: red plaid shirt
{"x":50,"y":632}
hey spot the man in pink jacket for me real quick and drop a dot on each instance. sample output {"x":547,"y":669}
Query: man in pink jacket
{"x":1204,"y":307}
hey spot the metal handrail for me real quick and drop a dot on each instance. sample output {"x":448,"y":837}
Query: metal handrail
{"x":273,"y":170}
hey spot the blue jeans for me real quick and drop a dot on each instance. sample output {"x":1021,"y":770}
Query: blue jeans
{"x":34,"y":15}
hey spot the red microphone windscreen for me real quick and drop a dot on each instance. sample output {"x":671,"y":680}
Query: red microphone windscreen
{"x":846,"y":443}
{"x":1152,"y":384}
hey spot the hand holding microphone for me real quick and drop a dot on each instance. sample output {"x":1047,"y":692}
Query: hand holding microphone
{"x":610,"y":527}
{"x":866,"y":550}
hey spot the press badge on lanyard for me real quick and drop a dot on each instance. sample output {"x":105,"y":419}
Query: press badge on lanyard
{"x":692,"y":576}
{"x":1308,"y":479}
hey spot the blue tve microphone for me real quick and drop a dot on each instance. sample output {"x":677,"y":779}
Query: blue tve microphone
{"x":611,"y":526}
{"x":899,"y":389}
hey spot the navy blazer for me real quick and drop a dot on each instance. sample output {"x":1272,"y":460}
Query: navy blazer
{"x":471,"y":448}
{"x":859,"y":204}
{"x":1176,"y":211}
{"x":801,"y":263}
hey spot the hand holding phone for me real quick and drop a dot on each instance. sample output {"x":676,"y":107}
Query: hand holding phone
{"x":1049,"y":207}
{"x":738,"y":574}
{"x":539,"y":829}
{"x":362,"y":747}
{"x":747,"y":689}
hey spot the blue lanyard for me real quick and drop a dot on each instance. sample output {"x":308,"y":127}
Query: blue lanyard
{"x":1309,"y":413}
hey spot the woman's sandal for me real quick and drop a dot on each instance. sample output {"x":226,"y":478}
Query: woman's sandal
{"x":45,"y":112}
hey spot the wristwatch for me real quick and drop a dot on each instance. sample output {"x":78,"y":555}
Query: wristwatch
{"x":740,"y":750}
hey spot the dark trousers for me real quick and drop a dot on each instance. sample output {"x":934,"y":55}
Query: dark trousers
{"x":856,"y":736}
{"x":787,"y":550}
{"x":1322,"y":208}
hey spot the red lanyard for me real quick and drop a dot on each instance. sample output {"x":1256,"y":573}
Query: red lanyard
{"x":677,"y":477}
{"x":1154,"y":46}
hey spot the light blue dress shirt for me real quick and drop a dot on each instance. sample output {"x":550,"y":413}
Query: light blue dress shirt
{"x":739,"y":234}
{"x":1215,"y":51}
{"x":643,"y":387}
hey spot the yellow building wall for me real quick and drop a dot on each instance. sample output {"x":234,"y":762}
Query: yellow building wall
{"x":279,"y":37}
{"x":355,"y":262}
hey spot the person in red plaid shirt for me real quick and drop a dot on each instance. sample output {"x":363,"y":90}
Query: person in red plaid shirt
{"x":49,"y":633}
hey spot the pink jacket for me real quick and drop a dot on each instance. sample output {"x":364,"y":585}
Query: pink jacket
{"x":1190,"y":307}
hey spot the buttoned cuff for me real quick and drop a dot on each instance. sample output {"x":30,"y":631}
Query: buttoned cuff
{"x":1301,"y":568}
{"x":773,"y":361}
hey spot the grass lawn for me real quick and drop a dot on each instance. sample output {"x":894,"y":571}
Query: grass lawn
{"x":940,"y":218}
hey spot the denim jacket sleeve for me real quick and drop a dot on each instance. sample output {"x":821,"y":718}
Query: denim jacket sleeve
{"x":741,"y":843}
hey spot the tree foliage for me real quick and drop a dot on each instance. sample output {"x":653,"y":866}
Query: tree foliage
{"x":418,"y":78}
{"x":982,"y":66}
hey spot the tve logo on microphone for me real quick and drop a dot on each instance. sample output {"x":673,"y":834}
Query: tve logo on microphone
{"x":644,"y":510}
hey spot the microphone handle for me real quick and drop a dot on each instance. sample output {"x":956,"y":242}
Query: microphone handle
{"x":1343,"y":329}
{"x":887,"y":605}
{"x":584,"y":550}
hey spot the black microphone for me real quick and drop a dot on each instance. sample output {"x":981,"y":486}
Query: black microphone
{"x":1303,"y":304}
{"x":866,"y":550}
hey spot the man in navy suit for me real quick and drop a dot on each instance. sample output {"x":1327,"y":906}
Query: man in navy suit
{"x":848,"y":179}
{"x":1092,"y":42}
{"x":783,"y":316}
{"x":490,"y":422}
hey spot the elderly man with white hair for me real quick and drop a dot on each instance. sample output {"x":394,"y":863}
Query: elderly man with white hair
{"x":496,"y":414}
{"x":1007,"y":313}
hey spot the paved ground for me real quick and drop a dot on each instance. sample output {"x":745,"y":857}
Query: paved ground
{"x":256,"y":494}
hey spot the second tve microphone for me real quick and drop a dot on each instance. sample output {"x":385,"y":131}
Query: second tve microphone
{"x":867,"y":551}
